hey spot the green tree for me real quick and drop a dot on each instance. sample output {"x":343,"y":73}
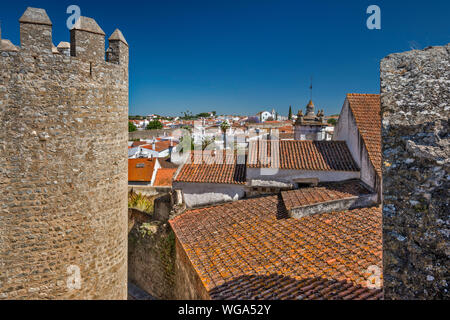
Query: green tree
{"x":290,"y":113}
{"x":332,"y":121}
{"x":131,"y":127}
{"x":187,"y":116}
{"x":224,"y":127}
{"x":155,"y":124}
{"x":203,"y":115}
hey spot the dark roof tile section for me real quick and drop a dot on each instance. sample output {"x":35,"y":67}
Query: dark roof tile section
{"x":301,"y":155}
{"x":166,"y":164}
{"x":366,"y":109}
{"x":250,"y":250}
{"x":207,"y":168}
{"x":330,"y":192}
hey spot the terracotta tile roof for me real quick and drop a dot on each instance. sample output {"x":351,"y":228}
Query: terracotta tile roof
{"x":159,"y":145}
{"x":164,"y":177}
{"x":286,"y":129}
{"x":166,"y":164}
{"x":304,"y":155}
{"x":139,"y":143}
{"x":366,"y":109}
{"x":272,"y":122}
{"x":249,"y":250}
{"x":140,"y":170}
{"x":286,"y":136}
{"x":205,"y":170}
{"x":330,"y":192}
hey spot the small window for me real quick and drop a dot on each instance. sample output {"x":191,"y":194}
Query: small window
{"x":140,"y":165}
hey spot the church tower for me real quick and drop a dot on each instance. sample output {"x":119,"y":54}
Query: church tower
{"x":310,"y":126}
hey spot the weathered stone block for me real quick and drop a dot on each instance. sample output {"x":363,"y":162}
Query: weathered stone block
{"x":415,"y":97}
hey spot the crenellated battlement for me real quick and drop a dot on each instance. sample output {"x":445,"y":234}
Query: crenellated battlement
{"x":87,"y":40}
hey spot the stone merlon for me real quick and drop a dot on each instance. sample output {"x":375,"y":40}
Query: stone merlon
{"x":87,"y":40}
{"x":36,"y":31}
{"x":35,"y":16}
{"x":118,"y":36}
{"x":88,"y":25}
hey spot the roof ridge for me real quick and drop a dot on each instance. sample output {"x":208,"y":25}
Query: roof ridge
{"x":363,"y":94}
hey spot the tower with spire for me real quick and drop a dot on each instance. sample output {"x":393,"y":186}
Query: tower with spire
{"x":310,"y":126}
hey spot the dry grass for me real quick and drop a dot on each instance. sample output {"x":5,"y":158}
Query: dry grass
{"x":141,"y":202}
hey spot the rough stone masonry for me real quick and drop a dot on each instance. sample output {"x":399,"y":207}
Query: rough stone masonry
{"x":415,"y":101}
{"x":63,"y":163}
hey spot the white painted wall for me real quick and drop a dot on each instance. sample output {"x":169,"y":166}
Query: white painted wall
{"x":289,"y":176}
{"x":265,"y":115}
{"x":347,"y":130}
{"x":155,"y":170}
{"x":137,"y":152}
{"x":201,"y":194}
{"x":314,"y":133}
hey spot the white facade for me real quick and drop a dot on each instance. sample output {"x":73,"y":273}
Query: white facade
{"x":266,"y":115}
{"x":291,"y":178}
{"x":347,"y":130}
{"x":310,"y":132}
{"x":201,"y":194}
{"x":140,"y":152}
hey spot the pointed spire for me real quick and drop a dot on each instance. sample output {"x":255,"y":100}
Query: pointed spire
{"x":310,"y":110}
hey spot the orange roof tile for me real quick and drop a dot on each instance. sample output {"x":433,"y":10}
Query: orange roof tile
{"x":366,"y":109}
{"x":139,"y":143}
{"x":166,"y":164}
{"x":286,"y":129}
{"x":164,"y":177}
{"x":159,"y":145}
{"x":250,"y":250}
{"x":140,"y":170}
{"x":206,"y":170}
{"x":286,"y":136}
{"x":303,"y":155}
{"x":329,"y":192}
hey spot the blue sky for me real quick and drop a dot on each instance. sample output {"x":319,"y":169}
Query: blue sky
{"x":240,"y":57}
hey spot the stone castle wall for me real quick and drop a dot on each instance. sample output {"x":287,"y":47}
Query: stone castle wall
{"x":63,"y":163}
{"x":415,"y":101}
{"x":151,"y":257}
